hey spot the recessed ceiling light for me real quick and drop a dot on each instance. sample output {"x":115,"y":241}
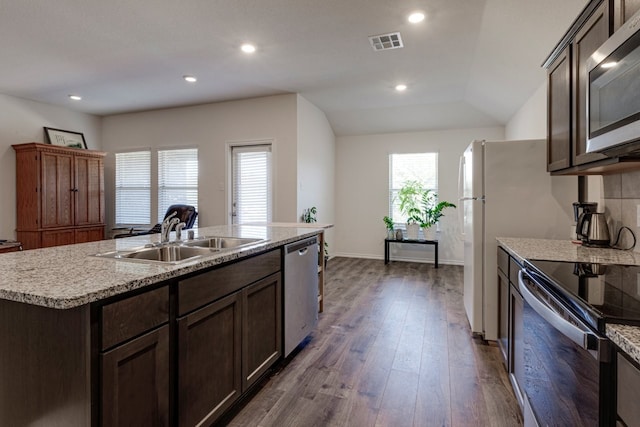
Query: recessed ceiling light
{"x":75,"y":97}
{"x":416,"y":17}
{"x":190,"y":79}
{"x":609,"y":64}
{"x":248,"y":48}
{"x":401,"y":87}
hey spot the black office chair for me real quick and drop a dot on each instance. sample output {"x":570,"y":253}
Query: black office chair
{"x":185,"y":213}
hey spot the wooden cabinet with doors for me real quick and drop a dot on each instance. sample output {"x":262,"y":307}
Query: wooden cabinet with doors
{"x":591,"y":35}
{"x":623,"y":10}
{"x":60,"y":195}
{"x":229,"y":334}
{"x":567,"y":88}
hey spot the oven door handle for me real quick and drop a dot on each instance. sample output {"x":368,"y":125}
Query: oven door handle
{"x":575,"y":334}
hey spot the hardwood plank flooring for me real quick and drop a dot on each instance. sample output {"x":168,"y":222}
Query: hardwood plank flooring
{"x":393,"y":348}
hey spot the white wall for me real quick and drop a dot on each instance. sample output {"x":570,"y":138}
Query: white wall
{"x":362,"y":183}
{"x":316,"y":164}
{"x":530,"y":121}
{"x":210,"y":127}
{"x":23,"y":121}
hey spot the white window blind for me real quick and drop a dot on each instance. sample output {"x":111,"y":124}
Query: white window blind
{"x":177,"y":179}
{"x":251,"y":182}
{"x":421,"y":167}
{"x":133,"y":187}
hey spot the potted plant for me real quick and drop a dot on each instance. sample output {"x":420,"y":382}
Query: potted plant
{"x":410,"y":196}
{"x":388,"y":222}
{"x":309,"y":216}
{"x":429,"y":212}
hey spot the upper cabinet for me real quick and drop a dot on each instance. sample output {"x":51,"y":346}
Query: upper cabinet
{"x":60,"y":195}
{"x":567,"y":80}
{"x":623,"y":10}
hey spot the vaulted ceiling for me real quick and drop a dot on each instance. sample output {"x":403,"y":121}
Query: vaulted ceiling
{"x":470,"y":63}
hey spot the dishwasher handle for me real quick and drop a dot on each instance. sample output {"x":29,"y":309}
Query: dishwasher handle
{"x":301,"y":246}
{"x":581,"y":336}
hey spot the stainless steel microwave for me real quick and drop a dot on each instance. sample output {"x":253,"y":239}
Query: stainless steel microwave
{"x":613,"y":93}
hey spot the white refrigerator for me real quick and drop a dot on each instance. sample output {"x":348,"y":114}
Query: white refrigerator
{"x":505,"y":191}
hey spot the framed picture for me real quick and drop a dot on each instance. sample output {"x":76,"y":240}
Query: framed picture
{"x":66,"y":138}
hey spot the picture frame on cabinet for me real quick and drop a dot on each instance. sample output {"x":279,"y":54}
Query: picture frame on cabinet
{"x":65,"y":138}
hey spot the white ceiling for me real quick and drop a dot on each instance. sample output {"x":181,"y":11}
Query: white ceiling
{"x":470,"y":63}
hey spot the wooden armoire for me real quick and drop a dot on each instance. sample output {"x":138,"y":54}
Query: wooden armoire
{"x":59,"y":194}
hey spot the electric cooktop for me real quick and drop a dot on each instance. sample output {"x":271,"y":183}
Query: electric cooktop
{"x":598,"y":293}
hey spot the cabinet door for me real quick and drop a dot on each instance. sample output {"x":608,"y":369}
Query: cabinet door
{"x":57,"y":189}
{"x":261,"y":327}
{"x":516,"y":342}
{"x":623,"y":10}
{"x":593,"y":33}
{"x":135,"y":382}
{"x":559,"y":112}
{"x":57,"y":238}
{"x":89,"y":202}
{"x":209,"y":361}
{"x":628,"y":390}
{"x":503,"y":316}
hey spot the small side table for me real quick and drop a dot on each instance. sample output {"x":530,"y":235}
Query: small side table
{"x":410,"y":242}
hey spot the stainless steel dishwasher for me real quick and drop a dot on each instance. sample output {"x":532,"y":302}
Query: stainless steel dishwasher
{"x":300,"y":291}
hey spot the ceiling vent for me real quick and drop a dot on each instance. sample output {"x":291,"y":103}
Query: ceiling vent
{"x":386,"y":41}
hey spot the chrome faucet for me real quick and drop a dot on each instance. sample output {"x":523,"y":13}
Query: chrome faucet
{"x":179,"y":228}
{"x":167,"y":225}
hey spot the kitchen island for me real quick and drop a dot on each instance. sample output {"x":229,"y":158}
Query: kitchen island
{"x":86,"y":340}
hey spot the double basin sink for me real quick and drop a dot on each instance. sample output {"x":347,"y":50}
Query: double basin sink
{"x":177,"y":252}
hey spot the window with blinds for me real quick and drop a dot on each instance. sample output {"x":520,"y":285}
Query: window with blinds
{"x":421,"y":167}
{"x":251,"y":183}
{"x":133,"y":188}
{"x":177,"y":179}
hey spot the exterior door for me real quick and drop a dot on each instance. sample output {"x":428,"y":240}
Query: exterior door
{"x":251,"y":183}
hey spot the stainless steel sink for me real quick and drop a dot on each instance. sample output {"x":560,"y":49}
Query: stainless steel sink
{"x":221,"y":242}
{"x":177,"y":252}
{"x":168,"y":254}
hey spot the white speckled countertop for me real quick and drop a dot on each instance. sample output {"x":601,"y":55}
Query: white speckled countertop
{"x":625,"y":337}
{"x":64,"y":277}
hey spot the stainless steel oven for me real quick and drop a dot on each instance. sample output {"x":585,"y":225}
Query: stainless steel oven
{"x":566,"y":361}
{"x":613,"y":93}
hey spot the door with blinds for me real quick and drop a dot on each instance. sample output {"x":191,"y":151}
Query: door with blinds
{"x":251,"y":182}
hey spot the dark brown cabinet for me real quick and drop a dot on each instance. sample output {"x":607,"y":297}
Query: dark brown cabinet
{"x":623,"y":10}
{"x":135,"y":382}
{"x":510,"y":327}
{"x":60,"y":195}
{"x":261,"y":328}
{"x":503,"y":304}
{"x":628,"y":390}
{"x":593,"y":33}
{"x":226,"y":343}
{"x":559,"y":137}
{"x":209,"y":361}
{"x":516,"y":342}
{"x":567,"y":89}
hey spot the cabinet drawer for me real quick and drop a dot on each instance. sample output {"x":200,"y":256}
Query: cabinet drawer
{"x":514,"y":268}
{"x":503,"y":260}
{"x":200,"y":290}
{"x":129,"y":317}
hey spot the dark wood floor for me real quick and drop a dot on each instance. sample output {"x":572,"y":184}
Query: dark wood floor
{"x":392,"y":348}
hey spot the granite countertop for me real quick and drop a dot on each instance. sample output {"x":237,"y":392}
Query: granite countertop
{"x":69,"y":276}
{"x":625,"y":337}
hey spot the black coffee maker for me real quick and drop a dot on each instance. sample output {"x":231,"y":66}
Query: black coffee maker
{"x":580,"y":211}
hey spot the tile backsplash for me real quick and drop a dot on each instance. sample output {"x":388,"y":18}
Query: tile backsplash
{"x":622,"y":205}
